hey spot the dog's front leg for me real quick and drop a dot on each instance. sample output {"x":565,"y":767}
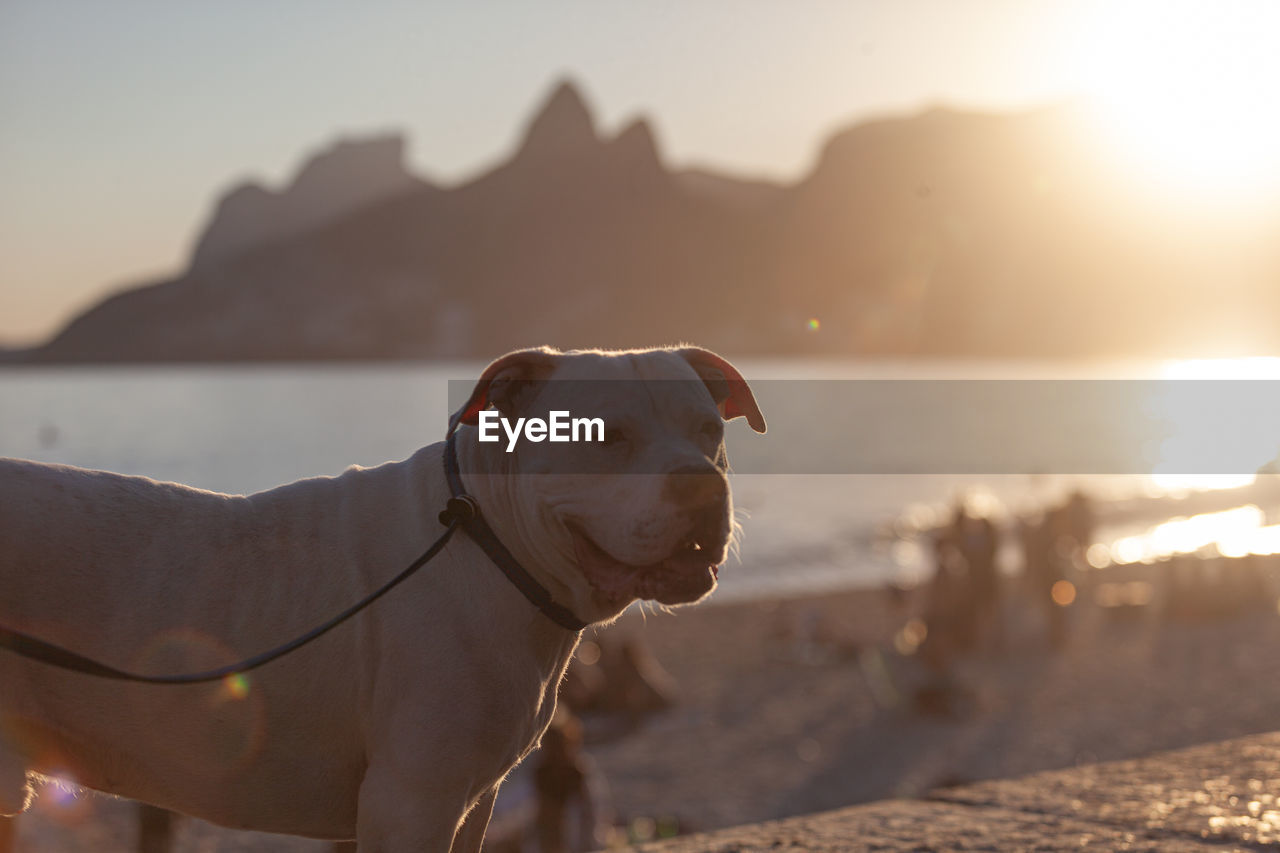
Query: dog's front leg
{"x":471,"y":837}
{"x":402,"y":812}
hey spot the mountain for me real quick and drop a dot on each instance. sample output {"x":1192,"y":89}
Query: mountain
{"x":942,"y":233}
{"x":335,"y":182}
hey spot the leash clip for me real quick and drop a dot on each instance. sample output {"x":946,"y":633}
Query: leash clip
{"x":460,"y":509}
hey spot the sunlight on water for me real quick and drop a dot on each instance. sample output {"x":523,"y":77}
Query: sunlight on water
{"x":1262,"y":541}
{"x":1197,"y":433}
{"x":1233,"y":532}
{"x":1184,"y":536}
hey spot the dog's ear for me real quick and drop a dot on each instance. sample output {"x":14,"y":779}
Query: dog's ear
{"x":508,"y":383}
{"x":730,"y":391}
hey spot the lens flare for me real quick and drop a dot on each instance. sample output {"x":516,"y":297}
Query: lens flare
{"x":910,"y":637}
{"x":237,"y":685}
{"x":62,"y":790}
{"x":61,"y":800}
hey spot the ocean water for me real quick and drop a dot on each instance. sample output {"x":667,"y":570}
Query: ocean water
{"x":241,"y":429}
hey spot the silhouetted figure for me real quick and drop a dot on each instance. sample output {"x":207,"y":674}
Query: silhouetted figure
{"x":949,"y":631}
{"x":979,"y":540}
{"x":570,"y":799}
{"x":946,"y":605}
{"x":1078,"y":521}
{"x":1042,"y":566}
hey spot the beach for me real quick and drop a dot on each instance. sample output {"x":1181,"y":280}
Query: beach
{"x":794,"y":705}
{"x":772,"y":724}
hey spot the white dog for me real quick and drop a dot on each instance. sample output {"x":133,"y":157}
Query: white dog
{"x":397,"y":727}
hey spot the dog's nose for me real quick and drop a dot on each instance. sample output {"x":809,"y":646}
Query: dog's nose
{"x":696,"y":485}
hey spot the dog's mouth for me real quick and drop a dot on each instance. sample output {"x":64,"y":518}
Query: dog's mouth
{"x":686,"y":574}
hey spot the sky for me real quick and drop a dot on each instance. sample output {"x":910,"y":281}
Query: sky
{"x":121,"y":122}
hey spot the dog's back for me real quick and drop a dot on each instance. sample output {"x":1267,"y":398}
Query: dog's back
{"x":160,"y":578}
{"x":71,"y":539}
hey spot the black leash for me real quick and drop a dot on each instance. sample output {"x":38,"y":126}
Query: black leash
{"x":461,"y":511}
{"x":30,"y":647}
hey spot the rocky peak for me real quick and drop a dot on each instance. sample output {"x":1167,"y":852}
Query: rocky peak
{"x":564,"y":125}
{"x":636,"y":146}
{"x":331,"y":183}
{"x":353,"y":168}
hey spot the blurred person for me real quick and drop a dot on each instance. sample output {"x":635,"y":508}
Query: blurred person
{"x":947,"y":629}
{"x":1042,"y":568}
{"x":979,"y":541}
{"x":572,"y":799}
{"x":946,"y":603}
{"x":1078,"y":520}
{"x":967,"y":547}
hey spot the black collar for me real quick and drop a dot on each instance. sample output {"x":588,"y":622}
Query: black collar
{"x":466,"y":511}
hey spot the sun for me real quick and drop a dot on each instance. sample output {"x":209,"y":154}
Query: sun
{"x":1188,"y":92}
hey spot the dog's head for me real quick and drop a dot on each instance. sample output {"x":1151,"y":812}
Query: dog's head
{"x":642,"y":511}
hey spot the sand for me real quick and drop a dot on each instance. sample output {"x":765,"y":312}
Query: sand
{"x":771,"y":727}
{"x":788,"y":707}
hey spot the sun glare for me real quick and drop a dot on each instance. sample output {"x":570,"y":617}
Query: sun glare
{"x":1197,"y":429}
{"x":1187,"y":92}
